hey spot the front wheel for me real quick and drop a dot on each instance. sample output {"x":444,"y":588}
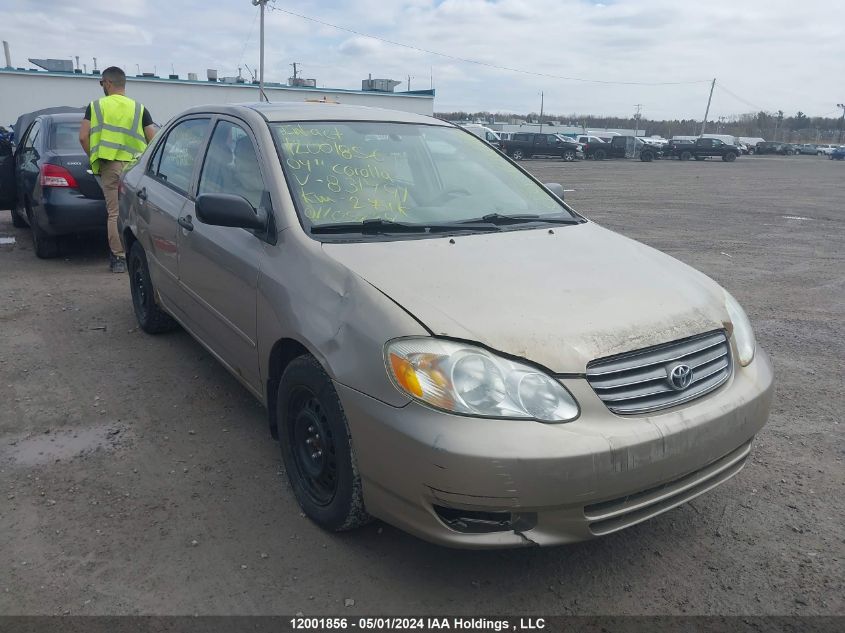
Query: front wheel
{"x":729,"y":157}
{"x":647,"y":157}
{"x":569,"y":155}
{"x":151,"y":318}
{"x":317,"y":448}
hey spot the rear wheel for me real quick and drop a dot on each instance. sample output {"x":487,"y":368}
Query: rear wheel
{"x":517,"y":154}
{"x":317,"y":449}
{"x":17,"y":221}
{"x":729,"y":157}
{"x":599,"y":154}
{"x":46,"y":246}
{"x":151,"y":318}
{"x":686,"y":155}
{"x":647,"y":157}
{"x":569,"y":155}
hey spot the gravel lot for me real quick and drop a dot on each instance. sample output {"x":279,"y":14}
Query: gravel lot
{"x":139,"y":477}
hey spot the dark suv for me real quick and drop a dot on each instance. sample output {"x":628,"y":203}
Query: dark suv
{"x":527,"y":144}
{"x":770,"y":147}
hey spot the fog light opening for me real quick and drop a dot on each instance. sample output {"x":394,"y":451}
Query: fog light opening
{"x":480,"y":522}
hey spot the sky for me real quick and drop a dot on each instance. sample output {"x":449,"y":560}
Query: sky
{"x":764,"y":54}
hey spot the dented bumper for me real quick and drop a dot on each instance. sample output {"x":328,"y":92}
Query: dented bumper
{"x":557,"y":483}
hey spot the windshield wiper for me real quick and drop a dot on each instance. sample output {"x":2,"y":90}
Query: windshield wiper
{"x":378,"y":226}
{"x":501,"y":219}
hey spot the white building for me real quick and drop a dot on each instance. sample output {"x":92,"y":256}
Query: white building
{"x":23,"y":91}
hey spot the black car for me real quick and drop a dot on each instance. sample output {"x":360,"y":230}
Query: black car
{"x":527,"y":144}
{"x":703,"y":148}
{"x":770,"y":147}
{"x":625,"y":147}
{"x":56,"y":193}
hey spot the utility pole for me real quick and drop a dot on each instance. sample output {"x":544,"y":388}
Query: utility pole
{"x":841,"y":121}
{"x":707,"y":111}
{"x":409,"y":82}
{"x":541,"y":111}
{"x":637,"y":115}
{"x":261,"y":95}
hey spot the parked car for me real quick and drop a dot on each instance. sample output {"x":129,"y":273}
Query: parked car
{"x":751,"y":142}
{"x":808,"y":148}
{"x":625,"y":147}
{"x":380,"y":281}
{"x":484,"y":133}
{"x":56,"y":193}
{"x":7,"y":174}
{"x":529,"y":144}
{"x":703,"y":148}
{"x":825,"y":150}
{"x":838,"y":153}
{"x":771,"y":147}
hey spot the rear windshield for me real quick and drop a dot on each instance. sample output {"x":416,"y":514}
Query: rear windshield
{"x":409,"y":173}
{"x":65,"y":136}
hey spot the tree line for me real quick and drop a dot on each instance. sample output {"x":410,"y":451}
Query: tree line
{"x":773,"y":126}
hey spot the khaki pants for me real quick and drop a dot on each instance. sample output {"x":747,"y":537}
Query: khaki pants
{"x":110,"y":171}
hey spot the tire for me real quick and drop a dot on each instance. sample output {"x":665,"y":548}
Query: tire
{"x":46,"y":246}
{"x":17,"y":221}
{"x":751,"y":152}
{"x":599,"y":154}
{"x":647,"y":157}
{"x":317,"y":449}
{"x":819,"y":153}
{"x":151,"y":318}
{"x":568,"y":155}
{"x":729,"y":157}
{"x":685,"y":155}
{"x":517,"y":154}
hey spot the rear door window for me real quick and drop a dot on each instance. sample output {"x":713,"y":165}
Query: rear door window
{"x":179,"y":153}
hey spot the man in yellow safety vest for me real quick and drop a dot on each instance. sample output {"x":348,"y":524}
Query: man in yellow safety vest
{"x":114,"y":131}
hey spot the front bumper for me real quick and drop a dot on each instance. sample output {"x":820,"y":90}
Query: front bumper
{"x":558,"y":483}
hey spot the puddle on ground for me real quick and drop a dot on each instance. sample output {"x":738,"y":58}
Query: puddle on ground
{"x":63,"y":444}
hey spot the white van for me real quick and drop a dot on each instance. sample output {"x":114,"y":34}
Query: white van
{"x":484,"y":133}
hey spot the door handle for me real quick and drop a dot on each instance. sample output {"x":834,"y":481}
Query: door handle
{"x":185,"y":223}
{"x":142,"y":193}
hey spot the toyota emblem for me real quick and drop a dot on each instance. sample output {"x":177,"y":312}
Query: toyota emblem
{"x":680,"y":376}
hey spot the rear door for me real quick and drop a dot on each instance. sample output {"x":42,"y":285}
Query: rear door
{"x":26,"y":167}
{"x":162,"y":193}
{"x":7,"y":175}
{"x":218,"y":265}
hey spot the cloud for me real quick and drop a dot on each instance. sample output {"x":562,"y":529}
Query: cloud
{"x":765,"y":51}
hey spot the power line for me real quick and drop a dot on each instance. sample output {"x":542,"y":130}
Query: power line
{"x":273,"y":7}
{"x":721,"y":86}
{"x":249,"y":38}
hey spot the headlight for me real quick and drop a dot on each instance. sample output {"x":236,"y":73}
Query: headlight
{"x":742,"y":332}
{"x":469,"y":380}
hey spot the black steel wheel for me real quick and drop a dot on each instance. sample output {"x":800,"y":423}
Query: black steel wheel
{"x":151,"y":318}
{"x":317,"y":449}
{"x":46,"y":246}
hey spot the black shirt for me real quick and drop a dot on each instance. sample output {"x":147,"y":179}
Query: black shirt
{"x":146,"y":118}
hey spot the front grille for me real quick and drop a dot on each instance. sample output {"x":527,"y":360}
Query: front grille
{"x":639,"y":382}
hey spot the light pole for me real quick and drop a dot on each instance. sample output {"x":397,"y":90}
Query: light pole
{"x":841,"y":120}
{"x":637,"y":117}
{"x":261,"y":95}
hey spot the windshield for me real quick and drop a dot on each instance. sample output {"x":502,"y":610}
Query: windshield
{"x":418,"y":175}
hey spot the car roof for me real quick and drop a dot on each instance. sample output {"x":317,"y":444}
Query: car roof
{"x":317,"y":111}
{"x":64,"y":117}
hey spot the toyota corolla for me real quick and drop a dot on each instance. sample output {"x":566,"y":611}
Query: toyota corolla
{"x":440,"y":340}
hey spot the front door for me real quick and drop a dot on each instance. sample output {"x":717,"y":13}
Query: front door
{"x":219,"y":266}
{"x":7,"y":175}
{"x":163,"y":193}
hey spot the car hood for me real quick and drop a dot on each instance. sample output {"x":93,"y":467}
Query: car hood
{"x":559,"y":297}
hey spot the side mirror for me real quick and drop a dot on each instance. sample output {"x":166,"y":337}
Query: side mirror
{"x":556,"y":188}
{"x":225,"y":209}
